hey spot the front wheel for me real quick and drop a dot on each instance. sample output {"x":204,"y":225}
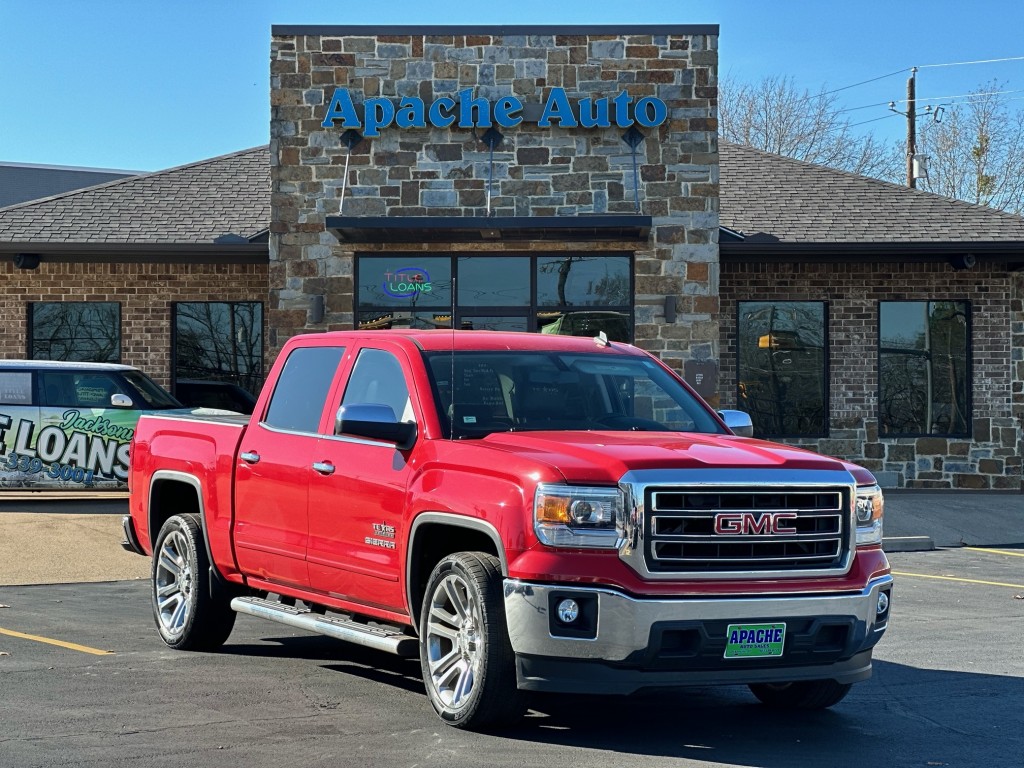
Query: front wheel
{"x":806,"y":694}
{"x":467,"y":660}
{"x":187,"y":615}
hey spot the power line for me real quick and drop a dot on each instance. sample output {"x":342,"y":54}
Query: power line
{"x":930,"y":98}
{"x":979,"y":61}
{"x":874,"y":120}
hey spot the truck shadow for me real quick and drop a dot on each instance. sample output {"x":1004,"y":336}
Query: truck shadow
{"x":903,"y":716}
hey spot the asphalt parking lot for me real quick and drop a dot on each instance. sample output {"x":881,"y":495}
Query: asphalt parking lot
{"x":86,"y":681}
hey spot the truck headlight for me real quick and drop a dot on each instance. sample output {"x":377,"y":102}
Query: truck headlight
{"x":571,"y":516}
{"x":869,"y":511}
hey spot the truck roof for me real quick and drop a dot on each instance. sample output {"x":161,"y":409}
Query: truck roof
{"x":443,"y":340}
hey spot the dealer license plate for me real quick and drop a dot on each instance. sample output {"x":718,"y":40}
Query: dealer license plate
{"x":754,"y":641}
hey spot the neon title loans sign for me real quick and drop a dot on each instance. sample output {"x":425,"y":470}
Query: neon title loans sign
{"x":468,"y":112}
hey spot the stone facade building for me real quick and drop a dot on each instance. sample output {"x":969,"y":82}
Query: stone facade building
{"x":859,"y":319}
{"x":557,"y":192}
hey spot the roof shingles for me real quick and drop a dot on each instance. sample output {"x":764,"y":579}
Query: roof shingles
{"x":191,"y":204}
{"x":773,"y":199}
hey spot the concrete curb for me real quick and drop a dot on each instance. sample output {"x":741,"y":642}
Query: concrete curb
{"x":907,"y":544}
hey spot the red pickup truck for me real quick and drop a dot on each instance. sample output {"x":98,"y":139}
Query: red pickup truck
{"x":524,"y":512}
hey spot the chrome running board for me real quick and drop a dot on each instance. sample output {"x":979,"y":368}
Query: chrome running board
{"x":378,"y":638}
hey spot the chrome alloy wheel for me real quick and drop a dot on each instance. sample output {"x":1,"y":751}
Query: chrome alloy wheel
{"x":455,"y":641}
{"x":174,"y":583}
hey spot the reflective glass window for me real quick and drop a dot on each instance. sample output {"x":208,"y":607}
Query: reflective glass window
{"x":78,"y":331}
{"x":219,"y":341}
{"x":575,"y":280}
{"x":488,"y":281}
{"x":782,"y":369}
{"x":923,"y":368}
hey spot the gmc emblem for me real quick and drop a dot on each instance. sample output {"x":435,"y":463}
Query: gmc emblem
{"x":779,"y":523}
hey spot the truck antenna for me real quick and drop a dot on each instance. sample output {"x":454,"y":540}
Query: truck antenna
{"x":451,"y":425}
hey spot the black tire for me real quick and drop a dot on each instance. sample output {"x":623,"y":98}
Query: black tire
{"x":186,"y":615}
{"x":805,"y":694}
{"x":467,"y":661}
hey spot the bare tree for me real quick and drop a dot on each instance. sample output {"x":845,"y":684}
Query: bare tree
{"x":976,"y":152}
{"x":775,"y":116}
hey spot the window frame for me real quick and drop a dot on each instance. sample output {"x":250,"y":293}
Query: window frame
{"x":826,"y":364}
{"x":30,"y":336}
{"x":529,"y":310}
{"x":968,"y":371}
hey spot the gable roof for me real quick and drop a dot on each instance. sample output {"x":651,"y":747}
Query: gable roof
{"x":775,"y":200}
{"x":189,"y":205}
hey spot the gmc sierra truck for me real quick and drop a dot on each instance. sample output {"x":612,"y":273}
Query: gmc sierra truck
{"x":524,"y":512}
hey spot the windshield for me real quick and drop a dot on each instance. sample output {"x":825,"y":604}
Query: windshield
{"x":153,"y":396}
{"x":530,"y":391}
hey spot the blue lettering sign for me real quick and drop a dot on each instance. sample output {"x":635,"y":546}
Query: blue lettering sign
{"x":411,"y":112}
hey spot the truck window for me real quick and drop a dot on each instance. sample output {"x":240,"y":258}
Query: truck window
{"x":301,"y":389}
{"x":378,"y":379}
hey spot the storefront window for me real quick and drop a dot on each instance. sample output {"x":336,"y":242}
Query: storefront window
{"x":573,"y":280}
{"x":782,"y":367}
{"x":569,"y":294}
{"x":76,"y":331}
{"x":217,"y":341}
{"x":405,"y":281}
{"x":923,"y":368}
{"x":491,"y":282}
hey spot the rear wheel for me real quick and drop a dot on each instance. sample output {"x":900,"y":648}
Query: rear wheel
{"x":467,"y":660}
{"x":805,"y":694}
{"x":188,"y":617}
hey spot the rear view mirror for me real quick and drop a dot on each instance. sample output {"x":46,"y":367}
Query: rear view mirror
{"x":375,"y":421}
{"x":121,"y":401}
{"x":739,"y":422}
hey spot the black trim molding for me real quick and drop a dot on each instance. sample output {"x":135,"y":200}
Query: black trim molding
{"x":416,"y":229}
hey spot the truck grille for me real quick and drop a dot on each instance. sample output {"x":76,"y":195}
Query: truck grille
{"x":742,"y":529}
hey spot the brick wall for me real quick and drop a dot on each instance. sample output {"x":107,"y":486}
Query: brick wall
{"x":145,"y":292}
{"x":991,"y":458}
{"x":538,"y":171}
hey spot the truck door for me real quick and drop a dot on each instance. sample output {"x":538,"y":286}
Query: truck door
{"x":357,"y":492}
{"x":274,"y":467}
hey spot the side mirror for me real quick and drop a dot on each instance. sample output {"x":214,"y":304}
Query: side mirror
{"x":377,"y":422}
{"x":739,"y":422}
{"x":121,"y":401}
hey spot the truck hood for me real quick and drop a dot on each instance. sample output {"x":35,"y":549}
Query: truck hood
{"x":604,"y":457}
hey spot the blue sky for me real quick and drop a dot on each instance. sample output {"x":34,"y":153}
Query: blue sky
{"x":141,"y":84}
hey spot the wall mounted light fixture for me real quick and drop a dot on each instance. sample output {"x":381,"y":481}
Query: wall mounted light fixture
{"x":26,"y":260}
{"x":634,"y":138}
{"x":316,"y":309}
{"x":670,"y":309}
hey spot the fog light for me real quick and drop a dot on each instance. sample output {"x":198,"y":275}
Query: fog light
{"x":883,"y":603}
{"x":568,"y":611}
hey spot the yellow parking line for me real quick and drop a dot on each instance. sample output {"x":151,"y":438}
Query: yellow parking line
{"x":996,"y":551}
{"x":954,"y":578}
{"x":61,"y":643}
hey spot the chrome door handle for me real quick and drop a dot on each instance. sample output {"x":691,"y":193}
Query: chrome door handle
{"x":250,"y":457}
{"x":324,"y":467}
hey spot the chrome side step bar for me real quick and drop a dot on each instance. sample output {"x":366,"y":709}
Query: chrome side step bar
{"x":378,"y":638}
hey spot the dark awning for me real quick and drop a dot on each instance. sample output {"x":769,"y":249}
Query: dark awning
{"x":416,"y":229}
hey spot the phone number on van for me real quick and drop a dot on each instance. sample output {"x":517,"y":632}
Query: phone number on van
{"x":30,"y":465}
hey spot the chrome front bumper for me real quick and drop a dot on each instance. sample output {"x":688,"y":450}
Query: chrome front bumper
{"x":622,"y":655}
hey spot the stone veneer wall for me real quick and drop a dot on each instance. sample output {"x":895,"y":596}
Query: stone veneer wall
{"x":991,"y":458}
{"x":538,"y":171}
{"x":144,"y":291}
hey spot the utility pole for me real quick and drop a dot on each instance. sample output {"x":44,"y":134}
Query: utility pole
{"x":911,"y":127}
